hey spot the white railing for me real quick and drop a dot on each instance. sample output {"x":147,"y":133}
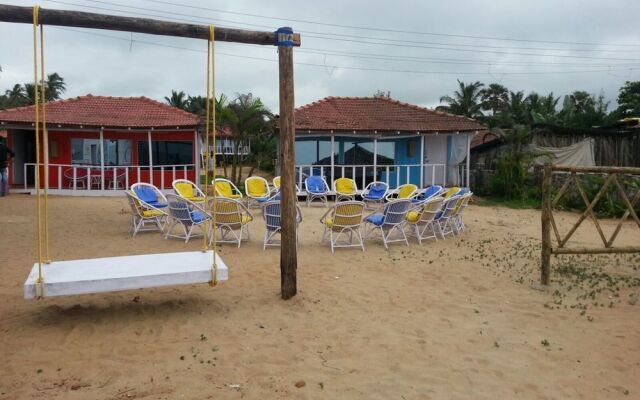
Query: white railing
{"x":394,"y":175}
{"x":92,"y":177}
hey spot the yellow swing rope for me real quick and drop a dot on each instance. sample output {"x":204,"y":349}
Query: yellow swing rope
{"x":45,"y":138}
{"x":40,"y":281}
{"x":211,"y":113}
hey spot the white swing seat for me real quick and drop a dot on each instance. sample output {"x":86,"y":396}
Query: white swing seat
{"x":111,"y":274}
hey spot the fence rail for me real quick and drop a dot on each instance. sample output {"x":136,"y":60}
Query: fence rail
{"x":427,"y":174}
{"x":96,"y":178}
{"x":549,"y":224}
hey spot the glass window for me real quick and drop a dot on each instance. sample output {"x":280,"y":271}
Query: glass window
{"x":117,"y":152}
{"x":314,"y":151}
{"x":87,"y":151}
{"x":386,"y":152}
{"x":166,"y":152}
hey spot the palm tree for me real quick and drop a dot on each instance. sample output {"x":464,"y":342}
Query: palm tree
{"x":465,"y":101}
{"x":541,"y":109}
{"x":177,"y":99}
{"x":247,"y":117}
{"x":54,"y":87}
{"x":516,"y":107}
{"x":495,"y":98}
{"x":14,"y":97}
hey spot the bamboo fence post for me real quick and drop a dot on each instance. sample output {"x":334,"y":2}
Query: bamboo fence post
{"x":545,"y":260}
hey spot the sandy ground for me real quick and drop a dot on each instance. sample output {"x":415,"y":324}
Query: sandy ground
{"x":453,"y":319}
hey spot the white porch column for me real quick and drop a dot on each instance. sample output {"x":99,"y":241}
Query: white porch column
{"x":150,"y":158}
{"x":102,"y":159}
{"x":375,"y":158}
{"x":333,"y":150}
{"x":196,"y":157}
{"x":421,"y":160}
{"x":468,"y":157}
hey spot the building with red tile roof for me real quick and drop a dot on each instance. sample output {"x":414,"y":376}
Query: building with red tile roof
{"x":425,"y":146}
{"x":378,"y":114}
{"x":100,"y":144}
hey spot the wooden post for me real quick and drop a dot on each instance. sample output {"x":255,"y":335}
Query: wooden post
{"x":79,"y":19}
{"x":288,"y":250}
{"x":545,"y":259}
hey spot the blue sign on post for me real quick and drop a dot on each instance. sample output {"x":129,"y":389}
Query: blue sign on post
{"x":284,"y":37}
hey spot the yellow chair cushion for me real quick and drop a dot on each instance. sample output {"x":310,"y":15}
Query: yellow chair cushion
{"x":225,"y":190}
{"x":413,"y":216}
{"x":345,"y":186}
{"x":328,"y":222}
{"x":276,"y":182}
{"x":257,"y":188}
{"x":450,"y":192}
{"x":245,"y":219}
{"x":152,"y":213}
{"x":406,"y":191}
{"x":185,"y":190}
{"x":195,"y":199}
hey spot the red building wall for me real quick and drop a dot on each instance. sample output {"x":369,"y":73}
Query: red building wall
{"x":60,"y":153}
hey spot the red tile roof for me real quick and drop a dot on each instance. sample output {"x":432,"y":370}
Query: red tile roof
{"x":108,"y":112}
{"x":377,"y":114}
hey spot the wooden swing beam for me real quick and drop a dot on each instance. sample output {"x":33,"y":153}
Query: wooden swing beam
{"x":78,"y":19}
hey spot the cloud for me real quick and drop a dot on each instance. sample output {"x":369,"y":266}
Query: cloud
{"x":123,"y":64}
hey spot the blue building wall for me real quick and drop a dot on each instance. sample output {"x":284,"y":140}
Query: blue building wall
{"x":402,"y":157}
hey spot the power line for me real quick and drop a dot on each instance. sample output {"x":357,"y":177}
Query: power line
{"x":375,"y":42}
{"x":333,"y":34}
{"x":349,"y":67}
{"x":389,"y":30}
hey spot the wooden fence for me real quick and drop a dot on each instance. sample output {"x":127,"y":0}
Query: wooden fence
{"x":559,"y":247}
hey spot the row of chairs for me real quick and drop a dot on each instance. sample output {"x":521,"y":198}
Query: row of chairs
{"x":175,"y":215}
{"x":435,"y":216}
{"x":188,"y":210}
{"x":375,"y":193}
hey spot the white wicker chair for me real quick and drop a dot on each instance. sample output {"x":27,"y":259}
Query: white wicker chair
{"x":341,"y":223}
{"x":421,"y":218}
{"x":231,"y":219}
{"x":144,"y":217}
{"x":392,"y":220}
{"x":316,"y":188}
{"x":273,"y":223}
{"x":186,"y":215}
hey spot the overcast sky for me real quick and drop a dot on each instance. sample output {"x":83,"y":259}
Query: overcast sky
{"x":560,"y":46}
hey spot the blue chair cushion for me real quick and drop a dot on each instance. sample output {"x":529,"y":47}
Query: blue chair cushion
{"x":146,"y":194}
{"x":197,"y":216}
{"x":376,"y":193}
{"x":315,"y":184}
{"x":262,"y":199}
{"x":431,"y":190}
{"x":375,"y":219}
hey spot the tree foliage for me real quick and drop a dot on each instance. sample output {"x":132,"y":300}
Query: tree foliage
{"x":467,"y":100}
{"x":24,"y":94}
